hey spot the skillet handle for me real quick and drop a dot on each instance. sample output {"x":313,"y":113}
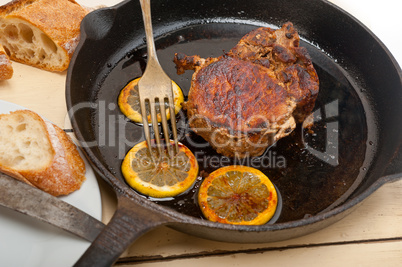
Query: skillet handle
{"x":128,"y":223}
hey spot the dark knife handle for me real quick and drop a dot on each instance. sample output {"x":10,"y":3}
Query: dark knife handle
{"x":33,"y":202}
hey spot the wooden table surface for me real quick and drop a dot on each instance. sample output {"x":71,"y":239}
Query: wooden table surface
{"x":370,"y":236}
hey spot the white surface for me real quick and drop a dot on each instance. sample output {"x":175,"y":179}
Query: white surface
{"x":382,"y":17}
{"x":25,"y":241}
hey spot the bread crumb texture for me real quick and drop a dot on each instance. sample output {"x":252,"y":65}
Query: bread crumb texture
{"x":6,"y":68}
{"x":41,"y":33}
{"x":39,"y":153}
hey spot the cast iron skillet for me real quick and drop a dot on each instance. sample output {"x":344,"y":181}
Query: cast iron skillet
{"x":355,"y":146}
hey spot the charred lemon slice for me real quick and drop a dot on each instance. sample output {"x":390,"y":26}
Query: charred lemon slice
{"x":238,"y":195}
{"x":129,"y":101}
{"x":159,"y":175}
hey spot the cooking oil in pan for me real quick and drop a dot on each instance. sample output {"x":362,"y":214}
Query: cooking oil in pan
{"x":311,"y":168}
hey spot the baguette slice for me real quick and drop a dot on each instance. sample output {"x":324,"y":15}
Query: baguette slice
{"x":6,"y":69}
{"x":41,"y":33}
{"x":39,"y":153}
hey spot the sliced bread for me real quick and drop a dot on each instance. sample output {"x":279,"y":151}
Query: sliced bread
{"x":39,"y":153}
{"x":41,"y":33}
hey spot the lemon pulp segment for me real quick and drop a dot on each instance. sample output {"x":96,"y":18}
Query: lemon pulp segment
{"x":129,"y":102}
{"x":238,"y":195}
{"x":159,"y":175}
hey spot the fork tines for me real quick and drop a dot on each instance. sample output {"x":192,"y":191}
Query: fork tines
{"x":155,"y":108}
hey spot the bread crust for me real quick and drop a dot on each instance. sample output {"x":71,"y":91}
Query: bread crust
{"x":6,"y":69}
{"x":66,"y":171}
{"x":59,"y":20}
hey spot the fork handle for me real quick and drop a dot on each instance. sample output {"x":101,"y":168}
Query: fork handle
{"x":146,"y":15}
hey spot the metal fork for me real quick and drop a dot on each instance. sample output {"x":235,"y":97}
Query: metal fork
{"x":155,"y":87}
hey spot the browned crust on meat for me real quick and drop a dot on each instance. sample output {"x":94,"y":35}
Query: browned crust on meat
{"x":256,"y":91}
{"x":279,"y":51}
{"x":246,"y":100}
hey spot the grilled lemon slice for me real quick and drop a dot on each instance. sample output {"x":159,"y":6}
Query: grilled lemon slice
{"x":159,"y":176}
{"x":238,"y":195}
{"x":129,"y":101}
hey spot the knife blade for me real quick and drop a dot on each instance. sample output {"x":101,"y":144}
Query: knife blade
{"x":33,"y":202}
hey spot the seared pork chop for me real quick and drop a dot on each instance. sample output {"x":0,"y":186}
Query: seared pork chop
{"x":247,"y":99}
